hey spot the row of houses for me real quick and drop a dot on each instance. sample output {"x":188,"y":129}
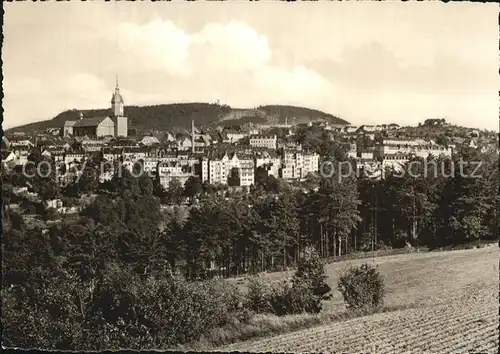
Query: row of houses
{"x":235,"y":167}
{"x":217,"y":166}
{"x":394,"y":153}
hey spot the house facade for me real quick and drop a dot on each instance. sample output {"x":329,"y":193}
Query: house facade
{"x":264,"y":141}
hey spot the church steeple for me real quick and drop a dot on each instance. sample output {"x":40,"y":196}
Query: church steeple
{"x":117,"y":102}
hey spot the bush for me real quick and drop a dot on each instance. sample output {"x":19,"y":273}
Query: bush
{"x":258,"y":298}
{"x":362,"y":287}
{"x":293,"y":298}
{"x":119,"y":310}
{"x":304,"y":293}
{"x":311,"y":274}
{"x":311,"y":269}
{"x":169,"y":310}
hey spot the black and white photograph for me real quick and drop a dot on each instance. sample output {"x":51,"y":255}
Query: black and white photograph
{"x":250,"y":176}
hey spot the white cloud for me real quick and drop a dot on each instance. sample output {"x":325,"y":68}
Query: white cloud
{"x":155,"y":45}
{"x":161,"y":45}
{"x":221,"y":57}
{"x":231,"y":47}
{"x":18,"y":87}
{"x":292,"y":86}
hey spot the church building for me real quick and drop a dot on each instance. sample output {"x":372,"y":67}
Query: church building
{"x":115,"y":125}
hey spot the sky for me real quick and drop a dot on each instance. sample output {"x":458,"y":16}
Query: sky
{"x":366,"y":62}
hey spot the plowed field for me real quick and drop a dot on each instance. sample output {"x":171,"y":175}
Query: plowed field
{"x":453,"y":299}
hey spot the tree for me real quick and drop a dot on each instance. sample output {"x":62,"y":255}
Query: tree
{"x":273,"y":185}
{"x":234,"y":177}
{"x":88,"y":181}
{"x":192,"y":187}
{"x":175,"y":192}
{"x":311,"y":270}
{"x":280,"y":225}
{"x":332,"y":213}
{"x":261,"y":176}
{"x":146,"y":185}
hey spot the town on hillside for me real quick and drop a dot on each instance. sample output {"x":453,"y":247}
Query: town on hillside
{"x":231,"y":156}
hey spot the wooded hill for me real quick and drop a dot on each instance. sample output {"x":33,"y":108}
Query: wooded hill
{"x":179,"y":115}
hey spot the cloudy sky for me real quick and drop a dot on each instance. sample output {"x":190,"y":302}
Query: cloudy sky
{"x":366,"y":62}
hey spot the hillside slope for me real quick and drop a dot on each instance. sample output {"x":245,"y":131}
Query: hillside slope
{"x":179,"y":115}
{"x":297,"y":115}
{"x":448,"y":302}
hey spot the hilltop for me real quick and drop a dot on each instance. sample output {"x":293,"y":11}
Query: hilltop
{"x":179,"y":115}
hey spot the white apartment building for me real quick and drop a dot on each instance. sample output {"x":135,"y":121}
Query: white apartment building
{"x":270,"y":160}
{"x":297,"y":164}
{"x":396,"y":161}
{"x":289,"y":157}
{"x":288,"y":171}
{"x":217,"y":171}
{"x":247,"y":172}
{"x":220,"y":169}
{"x":203,"y":169}
{"x":290,"y":146}
{"x":169,"y":171}
{"x":151,"y":162}
{"x":74,"y":157}
{"x":435,"y":150}
{"x":134,"y":153}
{"x":310,"y":164}
{"x":265,"y":141}
{"x":417,"y":147}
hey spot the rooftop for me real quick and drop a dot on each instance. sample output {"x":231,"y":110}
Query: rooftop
{"x":89,"y":122}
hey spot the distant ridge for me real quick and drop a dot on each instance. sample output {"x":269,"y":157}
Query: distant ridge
{"x":179,"y":115}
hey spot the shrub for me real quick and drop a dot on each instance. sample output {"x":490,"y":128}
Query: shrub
{"x":280,"y":299}
{"x":295,"y":297}
{"x":312,"y":271}
{"x":134,"y":312}
{"x":362,"y":287}
{"x":258,"y":297}
{"x":306,"y":291}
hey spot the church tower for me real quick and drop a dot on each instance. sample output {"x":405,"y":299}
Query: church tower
{"x":117,"y":102}
{"x":121,"y":126}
